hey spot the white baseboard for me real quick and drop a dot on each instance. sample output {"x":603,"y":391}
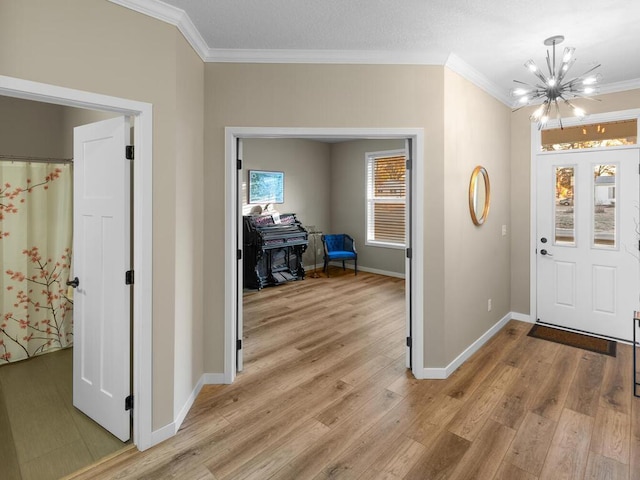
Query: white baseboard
{"x":523,"y":317}
{"x":369,"y":270}
{"x":168,"y":431}
{"x":162,"y":434}
{"x":442,"y":373}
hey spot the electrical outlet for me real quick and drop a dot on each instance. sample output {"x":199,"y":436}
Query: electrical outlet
{"x":489,"y":305}
{"x":504,"y":230}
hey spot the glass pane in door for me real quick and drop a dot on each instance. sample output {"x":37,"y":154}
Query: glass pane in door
{"x":604,"y":206}
{"x":564,"y":212}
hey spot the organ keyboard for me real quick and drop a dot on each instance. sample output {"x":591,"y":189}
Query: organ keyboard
{"x":273,"y":248}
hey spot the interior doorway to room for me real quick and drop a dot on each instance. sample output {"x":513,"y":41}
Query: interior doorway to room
{"x":43,"y":418}
{"x":142,"y":240}
{"x":412,"y":137}
{"x":587,"y":201}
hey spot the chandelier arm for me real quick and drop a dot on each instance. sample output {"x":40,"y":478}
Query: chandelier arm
{"x":551,"y":70}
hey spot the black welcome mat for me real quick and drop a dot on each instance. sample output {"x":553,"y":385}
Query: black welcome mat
{"x":586,"y":342}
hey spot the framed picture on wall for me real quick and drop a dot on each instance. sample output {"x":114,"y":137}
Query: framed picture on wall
{"x":266,"y":186}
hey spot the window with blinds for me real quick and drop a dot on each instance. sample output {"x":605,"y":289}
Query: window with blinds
{"x":386,"y":198}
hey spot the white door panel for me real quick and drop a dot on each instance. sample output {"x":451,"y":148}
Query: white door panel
{"x":101,"y":245}
{"x":587,"y":245}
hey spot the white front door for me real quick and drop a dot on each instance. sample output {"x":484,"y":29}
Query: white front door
{"x":101,"y":256}
{"x":587,"y":240}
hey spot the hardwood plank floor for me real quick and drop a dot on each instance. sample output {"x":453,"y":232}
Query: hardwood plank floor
{"x":325,"y":394}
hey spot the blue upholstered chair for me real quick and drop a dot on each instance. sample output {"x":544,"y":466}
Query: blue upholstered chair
{"x":339,"y":247}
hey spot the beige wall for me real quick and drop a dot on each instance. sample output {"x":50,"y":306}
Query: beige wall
{"x":377,"y":96}
{"x":31,"y":128}
{"x":521,"y":188}
{"x":97,"y":46}
{"x":477,"y":257}
{"x":307,"y":191}
{"x":348,"y":201}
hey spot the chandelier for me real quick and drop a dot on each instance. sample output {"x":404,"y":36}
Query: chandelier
{"x":553,"y":88}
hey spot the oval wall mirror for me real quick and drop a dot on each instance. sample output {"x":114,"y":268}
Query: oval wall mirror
{"x":479,"y":195}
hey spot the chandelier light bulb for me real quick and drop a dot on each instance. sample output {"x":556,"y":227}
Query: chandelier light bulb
{"x":592,"y":79}
{"x":553,"y":89}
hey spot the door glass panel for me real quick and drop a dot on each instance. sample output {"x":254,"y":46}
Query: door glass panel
{"x":564,"y":208}
{"x":604,"y":205}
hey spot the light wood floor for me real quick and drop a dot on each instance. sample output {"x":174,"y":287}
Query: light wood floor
{"x":42,"y":436}
{"x":325,"y":394}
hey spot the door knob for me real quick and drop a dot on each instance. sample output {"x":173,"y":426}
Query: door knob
{"x":544,"y":252}
{"x":73,"y":283}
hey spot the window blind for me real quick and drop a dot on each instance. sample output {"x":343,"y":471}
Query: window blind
{"x":386,"y":198}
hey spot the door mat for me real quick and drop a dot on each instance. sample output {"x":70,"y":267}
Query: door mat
{"x":586,"y":342}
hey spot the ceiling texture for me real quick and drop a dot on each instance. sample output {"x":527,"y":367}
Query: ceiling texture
{"x":487,"y":42}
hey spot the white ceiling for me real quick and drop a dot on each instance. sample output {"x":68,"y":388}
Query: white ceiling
{"x":494,"y":38}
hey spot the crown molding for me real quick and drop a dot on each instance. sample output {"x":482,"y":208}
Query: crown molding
{"x":381,"y":57}
{"x":179,"y":18}
{"x":632,"y":84}
{"x":172,"y":15}
{"x":462,"y":68}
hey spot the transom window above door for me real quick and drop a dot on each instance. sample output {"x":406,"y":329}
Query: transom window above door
{"x":596,"y":135}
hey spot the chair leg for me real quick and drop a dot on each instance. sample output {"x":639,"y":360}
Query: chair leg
{"x":343,"y":268}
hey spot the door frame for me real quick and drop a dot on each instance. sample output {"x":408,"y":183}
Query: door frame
{"x":536,"y":137}
{"x":233,"y":216}
{"x":142,"y":114}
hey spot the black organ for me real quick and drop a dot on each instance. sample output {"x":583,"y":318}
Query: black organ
{"x":272,"y":249}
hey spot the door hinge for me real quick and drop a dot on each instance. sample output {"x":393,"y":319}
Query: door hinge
{"x":239,"y":255}
{"x":129,"y":152}
{"x":409,"y":342}
{"x":239,"y":344}
{"x":128,"y":277}
{"x":128,"y":403}
{"x":239,"y":164}
{"x":409,"y":164}
{"x":408,"y":252}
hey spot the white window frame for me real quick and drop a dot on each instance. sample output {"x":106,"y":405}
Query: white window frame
{"x":369,"y":201}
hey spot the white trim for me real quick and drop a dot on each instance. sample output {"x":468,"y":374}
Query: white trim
{"x":350,"y":57}
{"x":172,"y":15}
{"x":536,"y":142}
{"x":462,"y":68}
{"x":180,"y":19}
{"x":163,"y":433}
{"x":182,"y":414}
{"x":143,"y":436}
{"x":232,"y":216}
{"x":386,"y":273}
{"x":442,"y":373}
{"x":623,"y":86}
{"x":523,"y":317}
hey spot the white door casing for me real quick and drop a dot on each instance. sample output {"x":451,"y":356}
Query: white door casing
{"x":101,"y":256}
{"x":588,"y":280}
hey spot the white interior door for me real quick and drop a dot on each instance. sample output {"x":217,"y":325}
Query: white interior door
{"x":587,"y":240}
{"x":101,"y":256}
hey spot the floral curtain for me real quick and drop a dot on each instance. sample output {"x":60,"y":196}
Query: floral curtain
{"x":36,"y":222}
